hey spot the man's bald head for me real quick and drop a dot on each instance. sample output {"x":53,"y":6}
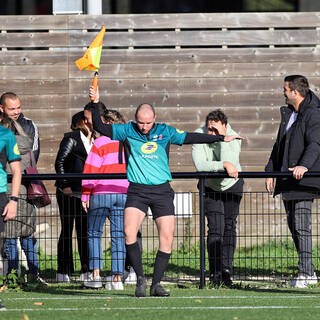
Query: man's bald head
{"x":145,"y":117}
{"x":144,"y":107}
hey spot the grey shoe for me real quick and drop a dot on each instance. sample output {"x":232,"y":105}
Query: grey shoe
{"x":141,"y":287}
{"x":157,"y":290}
{"x":92,"y":282}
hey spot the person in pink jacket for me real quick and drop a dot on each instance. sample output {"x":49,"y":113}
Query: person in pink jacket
{"x":102,"y":199}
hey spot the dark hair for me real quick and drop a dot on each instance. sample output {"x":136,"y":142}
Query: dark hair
{"x":217,"y":115}
{"x":113,"y":116}
{"x":299,"y":83}
{"x":7,"y":95}
{"x":142,"y":105}
{"x":9,"y":124}
{"x":102,"y":107}
{"x":77,"y":123}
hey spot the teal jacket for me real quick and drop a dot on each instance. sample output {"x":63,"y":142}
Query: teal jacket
{"x":210,"y":157}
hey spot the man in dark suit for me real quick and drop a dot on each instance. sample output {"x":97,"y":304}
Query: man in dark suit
{"x":297,"y":149}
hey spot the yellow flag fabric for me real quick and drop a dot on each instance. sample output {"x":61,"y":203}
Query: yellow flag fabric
{"x":91,"y":59}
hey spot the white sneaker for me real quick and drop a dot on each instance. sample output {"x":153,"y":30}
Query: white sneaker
{"x":85,"y":276}
{"x":107,"y":279}
{"x":62,"y":277}
{"x":131,"y":278}
{"x":302,"y":281}
{"x":92,"y":282}
{"x":114,"y":285}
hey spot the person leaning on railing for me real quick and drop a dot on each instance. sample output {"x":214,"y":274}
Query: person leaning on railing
{"x":222,"y":196}
{"x":147,"y":146}
{"x":297,"y":149}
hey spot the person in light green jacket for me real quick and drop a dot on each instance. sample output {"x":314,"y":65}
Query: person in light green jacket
{"x":222,"y":195}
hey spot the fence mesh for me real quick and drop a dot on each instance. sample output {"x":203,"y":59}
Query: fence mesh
{"x":264,"y":251}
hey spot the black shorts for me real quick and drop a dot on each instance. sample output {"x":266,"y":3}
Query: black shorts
{"x":158,"y":197}
{"x":3,"y":203}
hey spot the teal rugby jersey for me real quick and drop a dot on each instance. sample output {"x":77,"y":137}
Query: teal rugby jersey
{"x":9,"y":152}
{"x":148,"y":162}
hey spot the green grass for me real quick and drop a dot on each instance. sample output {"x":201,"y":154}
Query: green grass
{"x":271,"y":300}
{"x":72,"y":302}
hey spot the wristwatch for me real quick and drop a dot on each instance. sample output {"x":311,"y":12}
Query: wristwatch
{"x":14,"y":198}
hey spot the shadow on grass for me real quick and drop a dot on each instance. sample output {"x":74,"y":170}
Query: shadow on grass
{"x":77,"y":289}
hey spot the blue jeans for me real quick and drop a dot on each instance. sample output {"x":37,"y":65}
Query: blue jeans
{"x":29,"y":246}
{"x":101,"y":207}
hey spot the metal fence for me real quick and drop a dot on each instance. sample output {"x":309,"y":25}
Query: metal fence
{"x":264,"y":251}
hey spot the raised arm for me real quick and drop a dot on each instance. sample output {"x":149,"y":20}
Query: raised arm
{"x":98,"y":125}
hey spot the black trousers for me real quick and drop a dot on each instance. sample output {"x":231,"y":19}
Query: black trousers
{"x":222,"y":210}
{"x":71,"y":212}
{"x":299,"y":223}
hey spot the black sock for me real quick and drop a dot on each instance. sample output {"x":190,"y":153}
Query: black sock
{"x":135,"y":258}
{"x":160,"y":266}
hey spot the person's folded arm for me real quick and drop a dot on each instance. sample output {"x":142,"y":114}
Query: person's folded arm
{"x":201,"y":162}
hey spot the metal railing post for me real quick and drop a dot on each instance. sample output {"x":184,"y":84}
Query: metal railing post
{"x":202,"y":235}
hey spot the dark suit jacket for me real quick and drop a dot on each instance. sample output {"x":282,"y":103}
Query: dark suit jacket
{"x":71,"y":158}
{"x":300,"y":147}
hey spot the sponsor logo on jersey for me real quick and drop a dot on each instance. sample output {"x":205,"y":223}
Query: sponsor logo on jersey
{"x":16,"y":150}
{"x":149,"y":147}
{"x":180,"y":131}
{"x":156,"y":137}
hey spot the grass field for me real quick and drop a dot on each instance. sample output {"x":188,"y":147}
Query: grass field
{"x":250,"y":302}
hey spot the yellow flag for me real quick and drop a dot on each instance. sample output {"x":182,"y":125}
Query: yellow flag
{"x":91,"y":59}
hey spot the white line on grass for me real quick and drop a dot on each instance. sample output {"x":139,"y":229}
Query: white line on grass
{"x":173,"y":297}
{"x":160,"y":308}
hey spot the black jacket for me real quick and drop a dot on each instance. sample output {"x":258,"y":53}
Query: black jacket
{"x":31,"y":130}
{"x":71,"y":158}
{"x":303,"y":145}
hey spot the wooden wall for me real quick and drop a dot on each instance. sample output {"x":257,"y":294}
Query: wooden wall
{"x":184,"y":64}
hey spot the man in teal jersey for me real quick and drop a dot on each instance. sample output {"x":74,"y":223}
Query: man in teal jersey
{"x":147,"y":146}
{"x":9,"y":152}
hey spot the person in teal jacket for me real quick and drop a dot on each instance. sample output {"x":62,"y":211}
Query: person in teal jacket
{"x":222,"y":195}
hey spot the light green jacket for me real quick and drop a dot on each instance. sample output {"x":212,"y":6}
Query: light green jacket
{"x":210,"y":157}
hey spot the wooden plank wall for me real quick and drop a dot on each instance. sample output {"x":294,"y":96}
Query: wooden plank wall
{"x":184,"y":64}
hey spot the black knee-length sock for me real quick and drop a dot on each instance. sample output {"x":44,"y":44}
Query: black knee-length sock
{"x":135,"y":258}
{"x":160,"y":266}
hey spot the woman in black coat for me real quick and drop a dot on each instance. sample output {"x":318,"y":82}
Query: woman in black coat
{"x":71,"y":158}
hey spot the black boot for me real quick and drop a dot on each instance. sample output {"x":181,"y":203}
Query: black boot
{"x":141,"y":287}
{"x":216,"y":279}
{"x":158,"y":291}
{"x":226,"y":278}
